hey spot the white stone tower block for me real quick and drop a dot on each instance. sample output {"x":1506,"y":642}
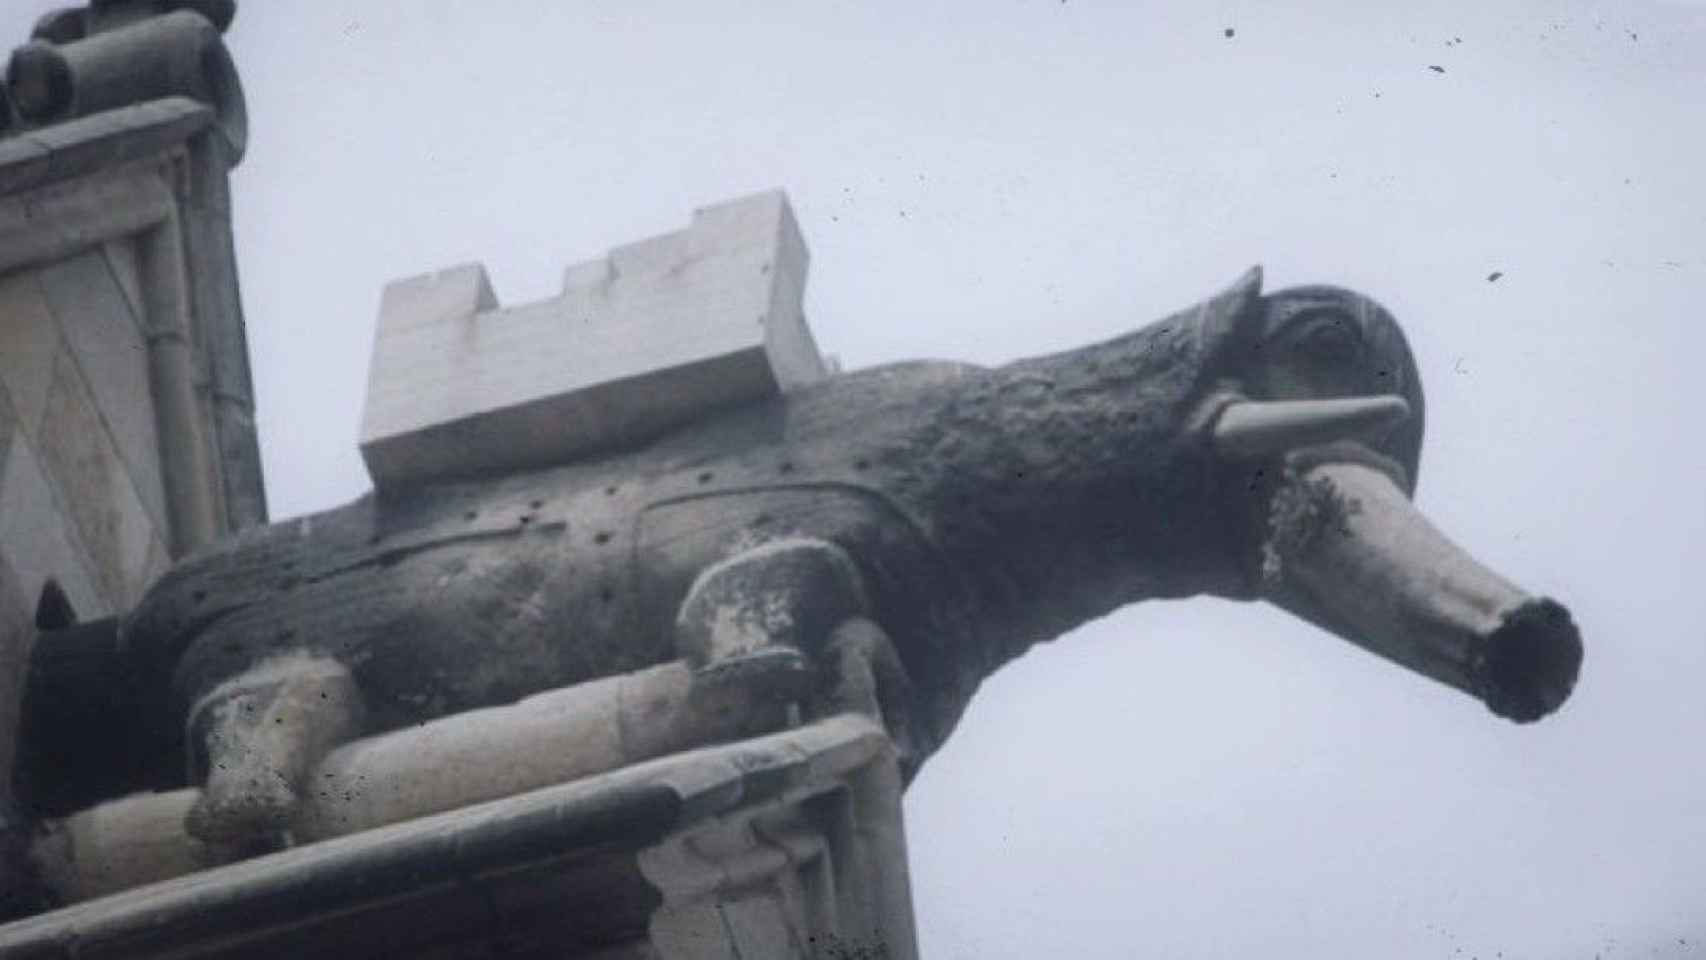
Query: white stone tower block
{"x":651,"y":336}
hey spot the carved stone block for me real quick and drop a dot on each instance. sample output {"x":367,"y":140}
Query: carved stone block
{"x":654,"y":335}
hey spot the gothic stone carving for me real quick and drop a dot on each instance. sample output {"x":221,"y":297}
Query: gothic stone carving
{"x":884,"y":539}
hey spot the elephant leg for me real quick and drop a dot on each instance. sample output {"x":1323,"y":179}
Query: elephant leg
{"x":864,"y":674}
{"x":752,"y":624}
{"x":263,"y":732}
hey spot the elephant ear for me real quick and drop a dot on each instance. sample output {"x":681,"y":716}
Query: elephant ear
{"x":1231,"y":319}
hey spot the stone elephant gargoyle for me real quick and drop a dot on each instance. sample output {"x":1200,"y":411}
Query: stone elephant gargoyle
{"x":881,"y":541}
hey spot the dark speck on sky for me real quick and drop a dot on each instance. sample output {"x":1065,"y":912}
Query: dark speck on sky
{"x":1495,"y":275}
{"x":1229,"y":32}
{"x":1436,"y":68}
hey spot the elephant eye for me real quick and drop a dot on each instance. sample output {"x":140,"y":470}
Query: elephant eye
{"x":1328,"y":340}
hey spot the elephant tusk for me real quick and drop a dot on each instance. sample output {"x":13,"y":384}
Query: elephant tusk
{"x":1256,"y":428}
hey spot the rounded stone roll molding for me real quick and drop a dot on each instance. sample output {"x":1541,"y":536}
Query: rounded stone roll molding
{"x":119,"y":54}
{"x":68,"y":24}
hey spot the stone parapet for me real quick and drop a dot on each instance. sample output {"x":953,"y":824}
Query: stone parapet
{"x":651,"y":336}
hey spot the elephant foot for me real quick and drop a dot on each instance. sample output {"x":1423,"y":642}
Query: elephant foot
{"x":262,"y":732}
{"x":748,"y":623}
{"x":789,"y":622}
{"x":249,"y":804}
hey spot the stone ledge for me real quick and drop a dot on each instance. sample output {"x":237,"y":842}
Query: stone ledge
{"x":76,"y":147}
{"x":589,"y":832}
{"x":63,"y":219}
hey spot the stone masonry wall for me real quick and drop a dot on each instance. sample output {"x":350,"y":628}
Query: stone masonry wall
{"x":82,"y":509}
{"x":81,"y":500}
{"x":126,"y":413}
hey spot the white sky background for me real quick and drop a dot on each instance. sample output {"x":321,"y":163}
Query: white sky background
{"x":982,"y":181}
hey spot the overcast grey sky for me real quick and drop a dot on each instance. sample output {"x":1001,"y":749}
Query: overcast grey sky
{"x":981,"y":181}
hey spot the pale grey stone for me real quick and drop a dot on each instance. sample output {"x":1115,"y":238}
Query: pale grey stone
{"x":102,"y":318}
{"x":158,"y":562}
{"x":50,"y":154}
{"x":481,"y":755}
{"x":89,"y":144}
{"x":692,"y":930}
{"x":270,"y":728}
{"x":772,"y":898}
{"x":656,"y":334}
{"x":36,"y":537}
{"x":450,"y":296}
{"x":109,"y":515}
{"x":133,"y":841}
{"x":725,"y":887}
{"x":680,"y":872}
{"x":758,"y":926}
{"x":29,"y":340}
{"x":106,"y":339}
{"x":465,"y":759}
{"x":121,"y":259}
{"x":23,"y":163}
{"x":178,"y":378}
{"x":211,"y":255}
{"x":63,"y":220}
{"x":592,"y":274}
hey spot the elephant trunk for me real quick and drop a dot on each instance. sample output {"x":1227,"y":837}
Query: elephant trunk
{"x":1349,"y":551}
